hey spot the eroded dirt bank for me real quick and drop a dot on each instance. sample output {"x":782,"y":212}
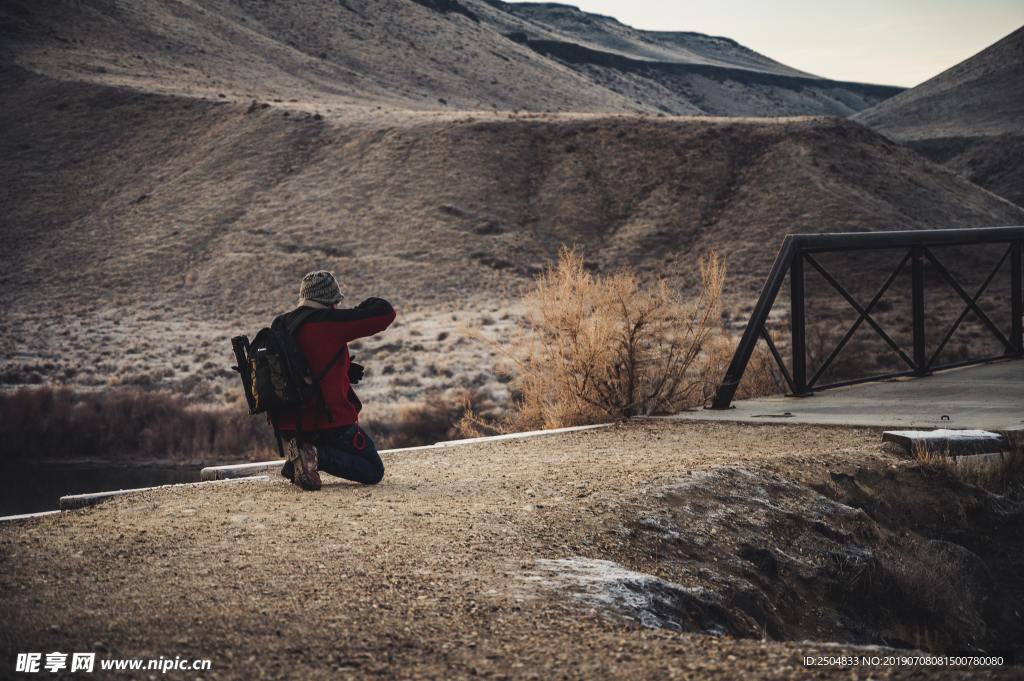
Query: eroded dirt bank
{"x":896,"y":554}
{"x":521,"y":559}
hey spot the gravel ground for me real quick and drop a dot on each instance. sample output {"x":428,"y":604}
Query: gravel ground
{"x":421,"y":576}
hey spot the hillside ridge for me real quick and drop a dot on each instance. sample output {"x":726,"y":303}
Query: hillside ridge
{"x":420,"y":55}
{"x":970,"y":117}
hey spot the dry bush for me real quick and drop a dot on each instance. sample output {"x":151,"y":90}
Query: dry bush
{"x":1001,"y":473}
{"x":46,"y":422}
{"x":864,"y":355}
{"x":123,"y":423}
{"x":436,"y":419}
{"x":599,"y":348}
{"x":760,"y":378}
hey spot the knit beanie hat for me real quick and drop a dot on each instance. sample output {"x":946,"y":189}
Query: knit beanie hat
{"x":319,"y":287}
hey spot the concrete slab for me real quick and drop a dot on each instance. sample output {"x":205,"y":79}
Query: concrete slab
{"x":73,"y":501}
{"x":987,"y":397}
{"x":946,"y":441}
{"x":242,"y":470}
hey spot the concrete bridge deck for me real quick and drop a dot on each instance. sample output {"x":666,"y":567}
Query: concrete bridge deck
{"x":987,"y":397}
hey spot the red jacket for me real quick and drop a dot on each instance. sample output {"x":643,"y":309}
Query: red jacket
{"x":321,"y":335}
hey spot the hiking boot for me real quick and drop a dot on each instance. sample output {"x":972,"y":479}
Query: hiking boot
{"x":302,"y":456}
{"x":288,"y":470}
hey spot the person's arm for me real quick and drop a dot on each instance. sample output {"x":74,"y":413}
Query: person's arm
{"x":371,"y":316}
{"x":379,"y":316}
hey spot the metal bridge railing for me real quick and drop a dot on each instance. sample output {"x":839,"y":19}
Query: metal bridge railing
{"x":799,"y":251}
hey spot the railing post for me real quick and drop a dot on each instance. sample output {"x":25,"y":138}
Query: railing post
{"x":917,"y":303}
{"x":1016,"y":299}
{"x":755,"y":325}
{"x":797,"y":321}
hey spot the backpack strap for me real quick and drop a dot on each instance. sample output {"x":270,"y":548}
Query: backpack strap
{"x":334,"y":360}
{"x":316,"y":382}
{"x":293,"y":325}
{"x":294,"y":322}
{"x":280,"y":444}
{"x":297,"y":317}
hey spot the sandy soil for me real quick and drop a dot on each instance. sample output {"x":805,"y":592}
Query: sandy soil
{"x":426,"y":575}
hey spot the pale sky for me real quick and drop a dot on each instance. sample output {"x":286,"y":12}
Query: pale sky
{"x":894,"y":42}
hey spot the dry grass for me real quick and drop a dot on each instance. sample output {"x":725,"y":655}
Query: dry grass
{"x":1001,"y":473}
{"x":437,"y":418}
{"x":760,"y":378}
{"x":59,"y":423}
{"x":131,"y":423}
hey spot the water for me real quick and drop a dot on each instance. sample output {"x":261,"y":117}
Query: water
{"x":38,"y":487}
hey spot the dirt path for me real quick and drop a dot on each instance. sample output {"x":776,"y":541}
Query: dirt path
{"x":422,"y":576}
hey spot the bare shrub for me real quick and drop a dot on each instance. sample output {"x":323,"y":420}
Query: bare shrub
{"x":864,"y":355}
{"x":760,"y":378}
{"x":1002,"y":473}
{"x":436,"y":419}
{"x":46,"y":422}
{"x":598,"y":348}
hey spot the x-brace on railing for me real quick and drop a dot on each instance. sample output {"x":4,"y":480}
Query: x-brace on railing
{"x":798,"y":251}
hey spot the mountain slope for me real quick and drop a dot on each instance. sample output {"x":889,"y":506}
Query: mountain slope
{"x":712,"y":75}
{"x":374,"y":53}
{"x":411,"y":54}
{"x":553,"y":21}
{"x":142,"y":209}
{"x":195,"y":194}
{"x":970,"y":117}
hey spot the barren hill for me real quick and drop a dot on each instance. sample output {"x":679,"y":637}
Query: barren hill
{"x":144,"y":212}
{"x":970,"y":117}
{"x":608,"y":34}
{"x":420,"y":54}
{"x":183,"y":220}
{"x":196,"y":193}
{"x":677,"y":72}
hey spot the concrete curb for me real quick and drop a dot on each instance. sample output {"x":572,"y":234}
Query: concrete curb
{"x":73,"y":501}
{"x":242,"y":470}
{"x":26,"y":516}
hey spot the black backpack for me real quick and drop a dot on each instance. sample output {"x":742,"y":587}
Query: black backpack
{"x":274,"y":372}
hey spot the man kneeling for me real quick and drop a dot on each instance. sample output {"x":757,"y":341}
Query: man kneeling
{"x":325,"y":433}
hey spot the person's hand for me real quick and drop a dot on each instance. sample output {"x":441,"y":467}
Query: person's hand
{"x":355,"y":373}
{"x":368,"y":302}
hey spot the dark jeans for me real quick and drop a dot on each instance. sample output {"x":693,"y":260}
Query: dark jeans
{"x":347,"y":453}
